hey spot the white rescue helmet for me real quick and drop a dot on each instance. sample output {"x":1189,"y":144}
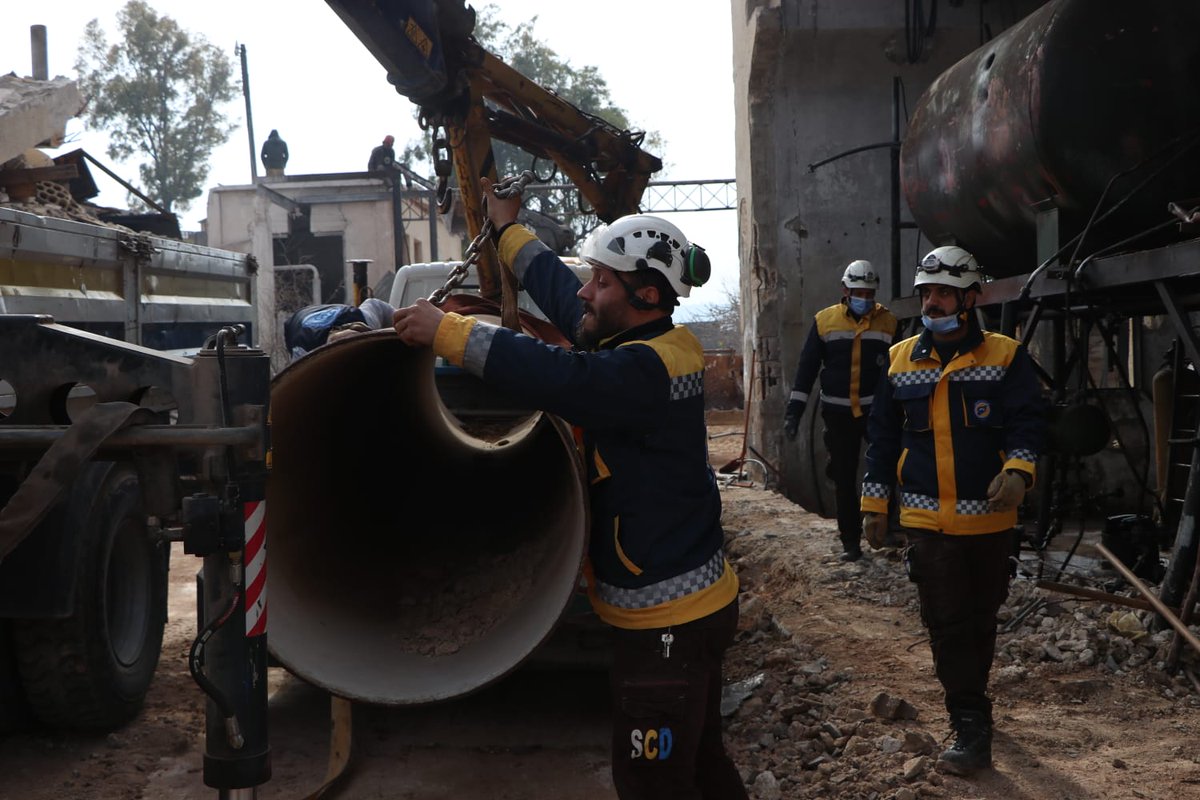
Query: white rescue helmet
{"x":860,"y":275}
{"x":949,"y":265}
{"x":641,"y":241}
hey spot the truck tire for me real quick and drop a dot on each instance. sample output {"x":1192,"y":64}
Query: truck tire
{"x":14,"y":708}
{"x":91,"y":670}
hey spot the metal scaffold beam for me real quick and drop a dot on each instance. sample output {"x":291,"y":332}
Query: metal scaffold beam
{"x":659,"y":197}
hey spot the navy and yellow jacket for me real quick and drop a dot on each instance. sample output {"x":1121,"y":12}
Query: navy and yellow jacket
{"x":940,"y":432}
{"x":655,"y":554}
{"x":849,"y":354}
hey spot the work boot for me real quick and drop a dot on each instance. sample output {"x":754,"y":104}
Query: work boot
{"x":851,"y":545}
{"x":972,"y":748}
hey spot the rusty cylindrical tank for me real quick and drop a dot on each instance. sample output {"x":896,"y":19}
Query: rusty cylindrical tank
{"x":1054,"y":107}
{"x":411,"y":561}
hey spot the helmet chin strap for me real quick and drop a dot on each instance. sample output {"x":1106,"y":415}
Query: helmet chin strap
{"x":634,"y":300}
{"x":963,"y":312}
{"x":961,"y":296}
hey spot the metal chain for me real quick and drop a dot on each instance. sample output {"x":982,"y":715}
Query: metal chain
{"x":503,"y":189}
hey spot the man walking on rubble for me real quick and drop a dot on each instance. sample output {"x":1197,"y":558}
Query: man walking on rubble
{"x":957,"y":426}
{"x":656,"y":569}
{"x":847,"y":345}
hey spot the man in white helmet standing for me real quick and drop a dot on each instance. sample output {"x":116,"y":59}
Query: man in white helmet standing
{"x":656,"y":569}
{"x":956,"y":427}
{"x":847,"y":346}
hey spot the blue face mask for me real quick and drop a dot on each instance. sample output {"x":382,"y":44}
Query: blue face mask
{"x":940,"y":324}
{"x":860,"y":305}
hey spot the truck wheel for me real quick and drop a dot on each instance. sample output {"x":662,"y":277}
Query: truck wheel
{"x":91,"y":670}
{"x":14,"y":708}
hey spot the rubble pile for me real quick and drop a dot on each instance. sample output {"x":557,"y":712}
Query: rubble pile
{"x":1114,"y":639}
{"x":795,"y":736}
{"x":800,"y":728}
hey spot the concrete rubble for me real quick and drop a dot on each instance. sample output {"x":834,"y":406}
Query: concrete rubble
{"x":33,"y":113}
{"x":795,"y":734}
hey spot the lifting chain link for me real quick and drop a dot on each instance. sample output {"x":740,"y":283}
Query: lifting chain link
{"x":504,"y":189}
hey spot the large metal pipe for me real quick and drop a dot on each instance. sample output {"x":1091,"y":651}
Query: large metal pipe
{"x":416,"y":555}
{"x":1077,"y":93}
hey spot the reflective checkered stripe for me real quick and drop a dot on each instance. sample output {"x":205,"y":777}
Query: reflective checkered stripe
{"x":664,"y":591}
{"x":479,"y":343}
{"x":875,"y":498}
{"x":1023,"y":455}
{"x":685,"y":386}
{"x":972,"y":508}
{"x":915,"y":377}
{"x":875,"y":490}
{"x":914,"y":500}
{"x":992,"y":372}
{"x":915,"y":506}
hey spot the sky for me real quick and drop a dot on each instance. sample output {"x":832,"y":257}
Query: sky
{"x":668,"y":63}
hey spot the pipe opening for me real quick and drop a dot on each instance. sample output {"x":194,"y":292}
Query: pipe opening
{"x":414,"y":555}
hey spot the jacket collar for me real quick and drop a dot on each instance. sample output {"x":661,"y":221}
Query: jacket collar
{"x":647,"y":330}
{"x":925,"y":347}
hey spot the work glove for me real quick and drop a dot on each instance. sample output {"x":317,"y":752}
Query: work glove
{"x":791,"y":419}
{"x":1006,"y":491}
{"x":349,"y":329}
{"x":875,"y":528}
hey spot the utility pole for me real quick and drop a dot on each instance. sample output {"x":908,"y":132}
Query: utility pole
{"x":240,"y":49}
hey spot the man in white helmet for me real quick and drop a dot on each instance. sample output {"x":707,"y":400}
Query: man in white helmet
{"x":633,"y":383}
{"x":956,"y":428}
{"x":847,"y":346}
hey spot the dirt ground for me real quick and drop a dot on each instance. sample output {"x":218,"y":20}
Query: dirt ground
{"x":831,"y":695}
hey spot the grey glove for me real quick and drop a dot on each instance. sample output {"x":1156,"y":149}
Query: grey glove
{"x":875,"y":528}
{"x":1007,"y":490}
{"x":791,"y":418}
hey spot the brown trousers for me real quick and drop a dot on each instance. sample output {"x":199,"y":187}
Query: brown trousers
{"x":961,"y":581}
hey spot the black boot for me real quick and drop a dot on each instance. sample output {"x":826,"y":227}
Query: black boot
{"x":972,"y":748}
{"x":851,"y":546}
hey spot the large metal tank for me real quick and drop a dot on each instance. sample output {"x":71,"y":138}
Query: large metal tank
{"x":1078,"y":92}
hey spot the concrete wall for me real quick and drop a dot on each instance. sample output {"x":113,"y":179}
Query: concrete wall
{"x":814,"y":78}
{"x":241,"y":219}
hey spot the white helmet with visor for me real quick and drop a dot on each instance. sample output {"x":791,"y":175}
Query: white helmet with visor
{"x":641,"y":241}
{"x":860,"y":275}
{"x":949,"y":265}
